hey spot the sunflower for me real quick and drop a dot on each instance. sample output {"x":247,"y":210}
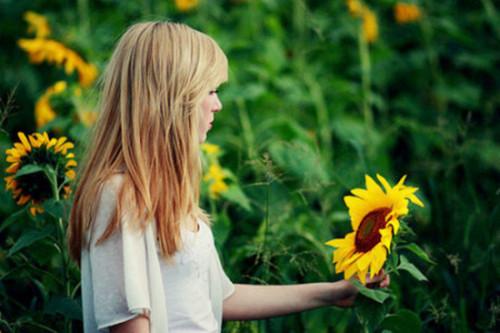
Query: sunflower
{"x":37,"y":24}
{"x":216,"y":179}
{"x":210,"y":149}
{"x":369,"y":19}
{"x":407,"y":13}
{"x":54,"y":52}
{"x":374,"y":217}
{"x":186,"y":5}
{"x":39,"y":150}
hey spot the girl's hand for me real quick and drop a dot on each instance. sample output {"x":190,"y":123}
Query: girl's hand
{"x":381,"y":280}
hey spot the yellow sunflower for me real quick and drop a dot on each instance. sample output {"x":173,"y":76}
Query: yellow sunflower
{"x":407,"y":13}
{"x":39,"y":150}
{"x":374,"y":217}
{"x":186,"y":5}
{"x":216,"y":179}
{"x":369,"y":19}
{"x":210,"y":149}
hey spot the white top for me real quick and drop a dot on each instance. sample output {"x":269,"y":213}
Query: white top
{"x":186,"y":280}
{"x":125,"y":276}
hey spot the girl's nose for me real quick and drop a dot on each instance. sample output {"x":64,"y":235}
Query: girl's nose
{"x":218,"y":104}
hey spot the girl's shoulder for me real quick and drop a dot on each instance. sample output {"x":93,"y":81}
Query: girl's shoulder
{"x":114,"y":182}
{"x":110,"y":187}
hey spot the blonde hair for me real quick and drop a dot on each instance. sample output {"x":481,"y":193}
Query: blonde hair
{"x":147,"y":129}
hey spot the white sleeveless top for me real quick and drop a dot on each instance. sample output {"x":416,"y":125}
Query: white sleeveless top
{"x":125,"y":276}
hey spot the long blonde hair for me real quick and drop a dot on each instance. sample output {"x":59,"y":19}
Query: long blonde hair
{"x":147,"y":130}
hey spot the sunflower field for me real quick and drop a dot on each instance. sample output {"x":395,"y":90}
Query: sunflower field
{"x":355,"y":135}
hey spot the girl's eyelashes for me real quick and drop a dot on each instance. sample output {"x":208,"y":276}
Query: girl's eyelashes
{"x":213,"y":91}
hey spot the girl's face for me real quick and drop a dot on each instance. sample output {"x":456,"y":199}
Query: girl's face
{"x":209,"y":106}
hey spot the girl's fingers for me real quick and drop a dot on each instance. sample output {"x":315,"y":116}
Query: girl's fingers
{"x":385,"y":283}
{"x":376,"y":278}
{"x":381,"y":280}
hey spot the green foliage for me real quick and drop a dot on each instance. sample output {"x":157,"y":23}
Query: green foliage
{"x":307,"y":112}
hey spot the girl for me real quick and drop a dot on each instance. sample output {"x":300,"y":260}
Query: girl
{"x":146,"y":250}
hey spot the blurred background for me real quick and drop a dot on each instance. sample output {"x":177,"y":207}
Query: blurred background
{"x":320,"y":93}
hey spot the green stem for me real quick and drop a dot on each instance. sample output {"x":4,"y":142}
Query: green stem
{"x":364,"y":56}
{"x":83,"y":12}
{"x":247,"y":128}
{"x":146,"y":6}
{"x":52,"y":175}
{"x":432,"y":58}
{"x":321,"y":113}
{"x":491,"y":14}
{"x":48,"y":329}
{"x":262,"y":245}
{"x":213,"y":208}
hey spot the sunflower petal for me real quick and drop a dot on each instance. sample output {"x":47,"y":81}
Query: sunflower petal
{"x":395,"y":225}
{"x":413,"y":198}
{"x":401,"y":181}
{"x":51,"y":143}
{"x":372,"y":186}
{"x":71,"y":174}
{"x":342,"y":242}
{"x":378,"y":261}
{"x":12,"y":168}
{"x":349,"y":272}
{"x":386,"y":237}
{"x":24,"y":141}
{"x":23,"y":199}
{"x":384,"y":182}
{"x":362,"y":275}
{"x":365,"y":260}
{"x":12,"y":159}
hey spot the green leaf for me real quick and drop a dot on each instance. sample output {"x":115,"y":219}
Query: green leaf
{"x":236,"y":195}
{"x":28,"y":169}
{"x":221,"y":228}
{"x":15,"y":217}
{"x":68,"y":307}
{"x":300,"y":160}
{"x":412,"y":269}
{"x":29,"y":238}
{"x":378,"y":296}
{"x":369,"y":313}
{"x":57,"y":208}
{"x":403,"y":321}
{"x":419,"y":252}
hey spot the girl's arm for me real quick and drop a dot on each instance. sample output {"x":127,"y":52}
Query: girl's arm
{"x":249,"y":302}
{"x":139,"y":324}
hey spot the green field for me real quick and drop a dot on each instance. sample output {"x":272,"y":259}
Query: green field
{"x":320,"y":93}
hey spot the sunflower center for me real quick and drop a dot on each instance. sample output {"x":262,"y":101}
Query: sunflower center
{"x":367,"y":235}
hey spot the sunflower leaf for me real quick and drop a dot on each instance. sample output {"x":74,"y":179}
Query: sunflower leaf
{"x":377,"y":295}
{"x":29,"y":238}
{"x":236,"y":195}
{"x":57,"y":208}
{"x":402,"y":321}
{"x":419,"y":252}
{"x":369,"y":313}
{"x":15,"y":217}
{"x":68,"y":307}
{"x":28,"y":169}
{"x":412,"y":269}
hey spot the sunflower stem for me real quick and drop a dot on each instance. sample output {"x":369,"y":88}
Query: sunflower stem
{"x":262,"y":246}
{"x":364,"y":55}
{"x":52,"y":175}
